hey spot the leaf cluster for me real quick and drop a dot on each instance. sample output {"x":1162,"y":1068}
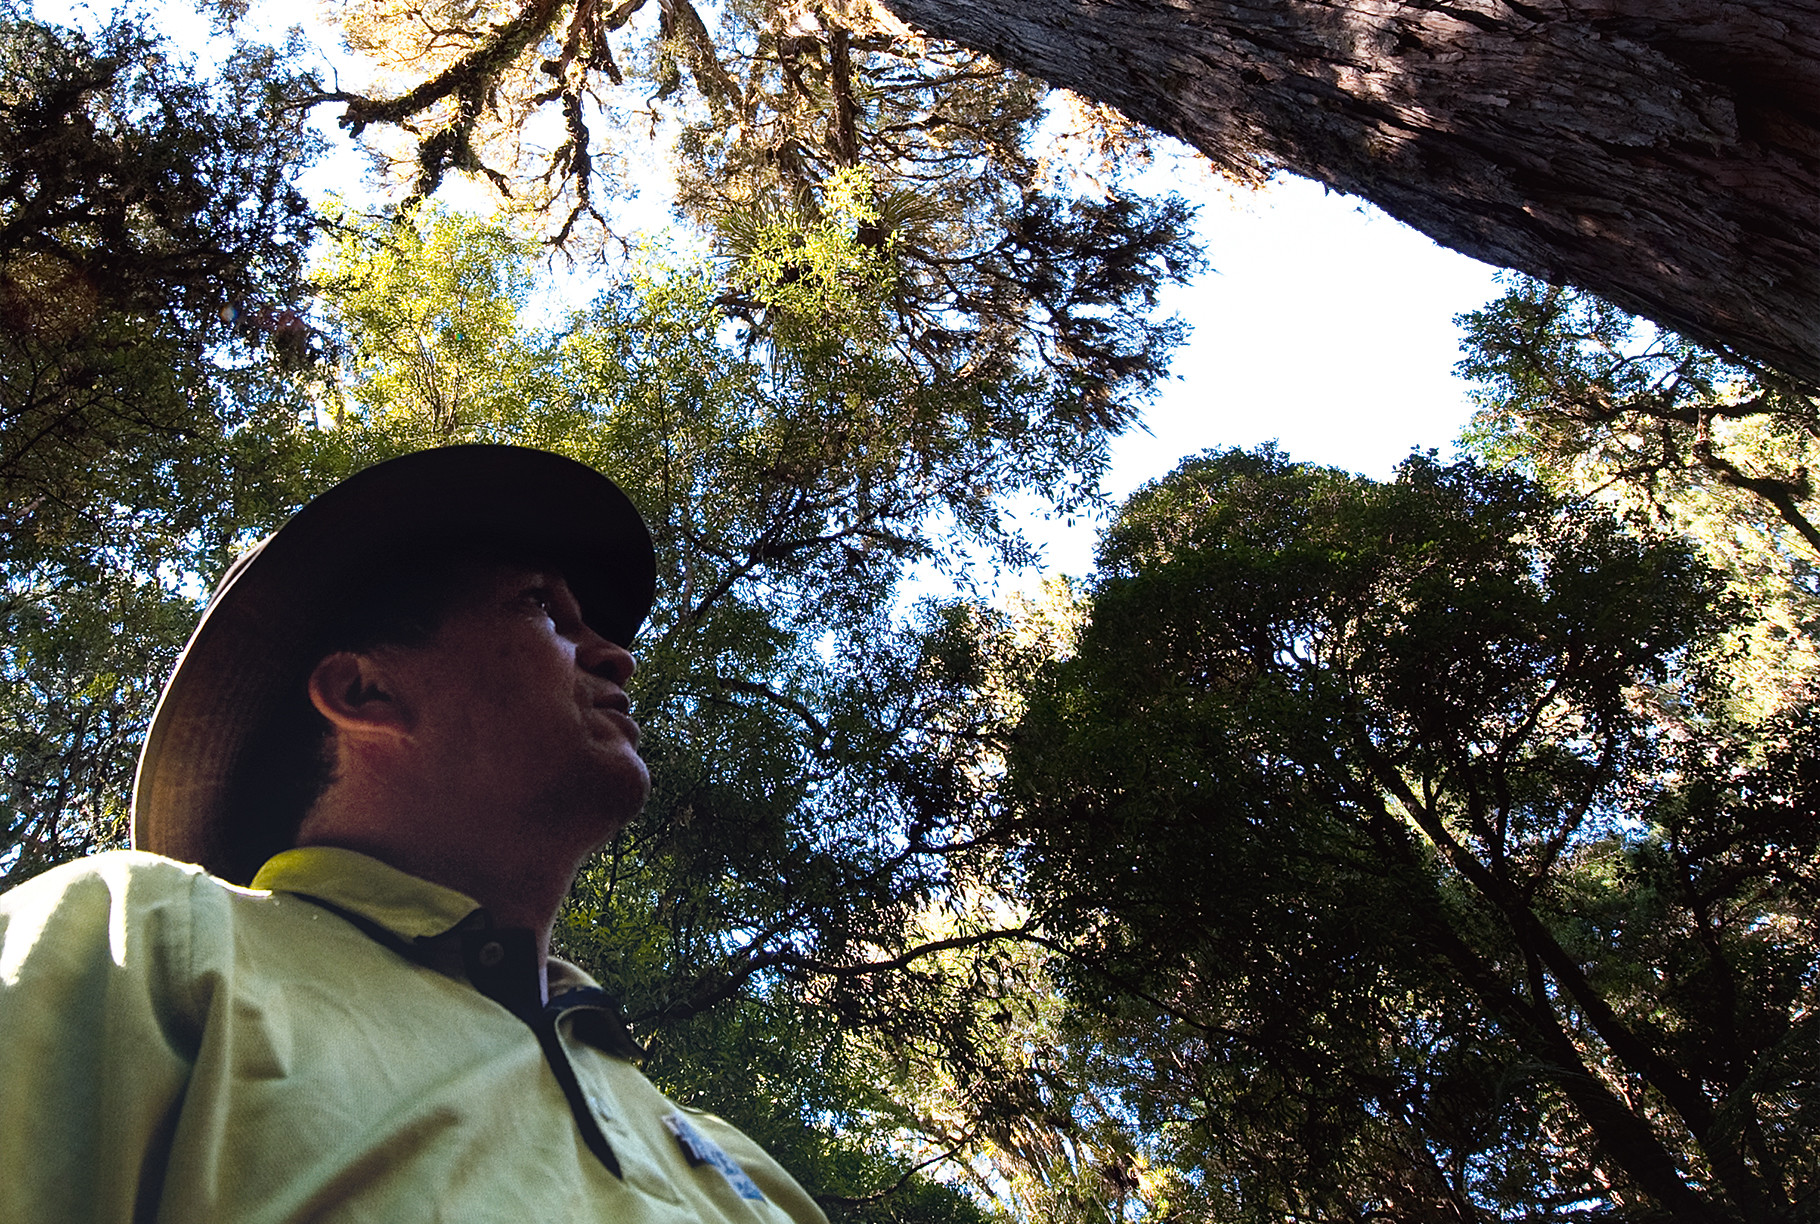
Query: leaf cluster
{"x":151,"y":299}
{"x":1351,"y":820}
{"x":1596,"y":403}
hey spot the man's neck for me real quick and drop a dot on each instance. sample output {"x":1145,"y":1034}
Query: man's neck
{"x":518,"y":885}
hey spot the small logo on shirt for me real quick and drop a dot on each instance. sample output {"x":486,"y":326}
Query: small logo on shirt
{"x":702,"y":1150}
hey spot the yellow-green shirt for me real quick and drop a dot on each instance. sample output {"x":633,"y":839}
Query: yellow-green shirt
{"x":179,"y":1050}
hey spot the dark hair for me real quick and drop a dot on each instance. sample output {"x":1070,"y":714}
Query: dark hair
{"x":289,"y":762}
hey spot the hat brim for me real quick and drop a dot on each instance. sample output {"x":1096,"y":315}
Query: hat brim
{"x":272,"y":606}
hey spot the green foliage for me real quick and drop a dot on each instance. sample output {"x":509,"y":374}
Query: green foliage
{"x":809,"y":278}
{"x":1590,"y":396}
{"x":816,"y":764}
{"x":83,"y":667}
{"x":998,"y":264}
{"x":150,"y":300}
{"x":970,"y":190}
{"x":428,"y":310}
{"x":141,"y":206}
{"x":1402,"y":867}
{"x":1599,"y":404}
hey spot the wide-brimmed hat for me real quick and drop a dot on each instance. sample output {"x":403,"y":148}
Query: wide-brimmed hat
{"x":254,"y":642}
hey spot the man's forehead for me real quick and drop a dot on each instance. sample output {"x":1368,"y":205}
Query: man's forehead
{"x":481,"y":563}
{"x":409,"y":600}
{"x":493,"y":575}
{"x":485,"y":581}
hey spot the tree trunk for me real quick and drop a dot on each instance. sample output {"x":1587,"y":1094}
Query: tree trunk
{"x":1664,"y":154}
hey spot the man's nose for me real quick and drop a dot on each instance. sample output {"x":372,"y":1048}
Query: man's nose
{"x":600,"y":657}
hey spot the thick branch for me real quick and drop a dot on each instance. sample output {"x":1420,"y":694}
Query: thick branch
{"x":1663,"y":153}
{"x":1681,"y":1093}
{"x":478,"y":67}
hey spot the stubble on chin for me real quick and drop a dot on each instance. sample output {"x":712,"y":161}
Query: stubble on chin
{"x":618,"y":798}
{"x":631,"y":807}
{"x":587,"y":805}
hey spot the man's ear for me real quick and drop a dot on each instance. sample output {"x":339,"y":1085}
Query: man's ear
{"x":354,"y":693}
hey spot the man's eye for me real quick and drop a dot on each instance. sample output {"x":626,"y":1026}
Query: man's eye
{"x":541,"y":597}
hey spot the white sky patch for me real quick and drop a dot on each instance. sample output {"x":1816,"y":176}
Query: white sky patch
{"x":1322,"y":323}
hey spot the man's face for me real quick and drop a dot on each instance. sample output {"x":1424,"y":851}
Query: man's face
{"x":520,"y":704}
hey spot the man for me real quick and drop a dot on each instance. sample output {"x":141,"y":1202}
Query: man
{"x":320,"y":987}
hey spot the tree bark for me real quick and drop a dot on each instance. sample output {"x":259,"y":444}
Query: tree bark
{"x":1664,"y":154}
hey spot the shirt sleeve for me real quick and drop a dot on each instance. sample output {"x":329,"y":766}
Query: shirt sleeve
{"x":101,"y":1003}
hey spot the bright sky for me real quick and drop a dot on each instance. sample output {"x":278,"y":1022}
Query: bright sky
{"x":1322,"y":323}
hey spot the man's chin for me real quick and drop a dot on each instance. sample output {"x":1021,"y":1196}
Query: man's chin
{"x":622,"y":796}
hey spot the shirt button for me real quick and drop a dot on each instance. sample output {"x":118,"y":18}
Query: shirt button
{"x":490,"y":955}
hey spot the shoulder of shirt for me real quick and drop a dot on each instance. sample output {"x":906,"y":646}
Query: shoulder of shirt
{"x":114,"y":869}
{"x":407,"y":905}
{"x":147,"y":940}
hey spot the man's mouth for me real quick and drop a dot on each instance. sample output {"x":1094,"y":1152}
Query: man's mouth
{"x":620,"y":706}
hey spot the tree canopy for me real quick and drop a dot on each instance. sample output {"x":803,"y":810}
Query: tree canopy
{"x":151,"y":295}
{"x":1398,"y":856}
{"x":1438,"y":849}
{"x":786,"y":119}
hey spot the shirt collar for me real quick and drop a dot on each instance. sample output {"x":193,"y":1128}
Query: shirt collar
{"x":409,"y":907}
